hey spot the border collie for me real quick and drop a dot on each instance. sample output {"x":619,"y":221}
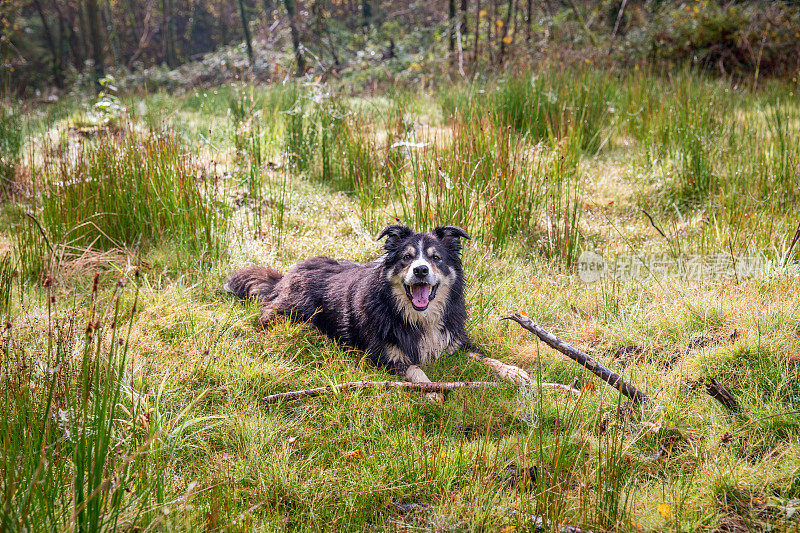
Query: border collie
{"x":405,"y":309}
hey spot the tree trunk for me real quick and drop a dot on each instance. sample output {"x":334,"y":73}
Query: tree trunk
{"x":529,"y":21}
{"x":451,"y":25}
{"x":366,"y":11}
{"x":246,"y":28}
{"x":58,"y":78}
{"x":62,"y":42}
{"x":298,"y":50}
{"x":463,"y":26}
{"x":74,"y":44}
{"x":321,"y":29}
{"x":507,"y":35}
{"x":107,"y":17}
{"x":476,"y":42}
{"x":95,"y":30}
{"x":490,"y":32}
{"x":167,"y":33}
{"x":83,"y":29}
{"x":133,"y":22}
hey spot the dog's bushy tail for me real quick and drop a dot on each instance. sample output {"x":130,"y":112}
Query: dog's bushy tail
{"x":253,"y":282}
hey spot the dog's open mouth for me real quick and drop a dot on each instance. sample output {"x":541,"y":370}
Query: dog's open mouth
{"x":421,"y":295}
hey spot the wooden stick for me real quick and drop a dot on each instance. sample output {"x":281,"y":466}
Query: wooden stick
{"x":361,"y":385}
{"x":609,"y":376}
{"x":402,"y":385}
{"x":715,"y":389}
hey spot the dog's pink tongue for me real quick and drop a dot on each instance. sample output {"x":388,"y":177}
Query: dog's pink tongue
{"x":420,"y":294}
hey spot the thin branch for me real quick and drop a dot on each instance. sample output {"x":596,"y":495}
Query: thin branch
{"x":785,"y":413}
{"x":607,"y":375}
{"x":362,"y":385}
{"x":616,"y":25}
{"x":653,"y":223}
{"x":41,"y":230}
{"x":582,"y":22}
{"x":400,"y":385}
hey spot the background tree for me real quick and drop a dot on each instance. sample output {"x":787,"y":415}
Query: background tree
{"x":246,"y":28}
{"x":291,"y":11}
{"x":96,"y":35}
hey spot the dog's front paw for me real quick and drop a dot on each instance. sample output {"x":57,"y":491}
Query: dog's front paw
{"x":436,"y":398}
{"x":510,"y":373}
{"x":513,"y":374}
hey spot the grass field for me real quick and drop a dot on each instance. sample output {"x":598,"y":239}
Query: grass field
{"x":131,"y":384}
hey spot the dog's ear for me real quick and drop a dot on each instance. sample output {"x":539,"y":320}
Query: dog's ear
{"x":450,"y":236}
{"x":395,"y":234}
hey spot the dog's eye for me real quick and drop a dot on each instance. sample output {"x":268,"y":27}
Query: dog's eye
{"x":436,"y":257}
{"x":408,"y":257}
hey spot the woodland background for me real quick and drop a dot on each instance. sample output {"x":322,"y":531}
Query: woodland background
{"x":69,"y":43}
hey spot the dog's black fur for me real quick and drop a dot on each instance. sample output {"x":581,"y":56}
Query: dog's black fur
{"x":370,"y":306}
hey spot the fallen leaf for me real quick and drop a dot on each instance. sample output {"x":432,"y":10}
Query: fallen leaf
{"x":291,"y":440}
{"x":356,"y":453}
{"x":664,"y":510}
{"x":508,"y":529}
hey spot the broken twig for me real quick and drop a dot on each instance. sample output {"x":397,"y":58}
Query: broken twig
{"x":607,"y":375}
{"x":403,"y":385}
{"x":715,"y":389}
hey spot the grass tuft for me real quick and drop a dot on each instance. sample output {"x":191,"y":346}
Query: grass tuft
{"x":123,"y":189}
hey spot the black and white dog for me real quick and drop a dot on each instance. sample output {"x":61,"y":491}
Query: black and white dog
{"x":405,"y":309}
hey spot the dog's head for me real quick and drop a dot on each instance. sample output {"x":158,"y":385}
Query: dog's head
{"x":423,"y":268}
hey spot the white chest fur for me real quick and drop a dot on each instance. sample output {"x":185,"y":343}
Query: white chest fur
{"x":432,"y":344}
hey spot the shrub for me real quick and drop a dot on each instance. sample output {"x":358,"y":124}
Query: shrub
{"x":731,"y":38}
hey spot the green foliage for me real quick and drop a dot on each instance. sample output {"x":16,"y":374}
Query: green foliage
{"x":256,"y":129}
{"x":481,"y":176}
{"x":544,"y":105}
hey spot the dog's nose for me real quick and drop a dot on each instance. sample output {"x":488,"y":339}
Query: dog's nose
{"x":421,"y":271}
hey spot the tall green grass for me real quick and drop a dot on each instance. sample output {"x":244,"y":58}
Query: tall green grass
{"x":81,"y":447}
{"x":129,"y":188}
{"x":11,"y":137}
{"x":257,"y":125}
{"x":497,"y":187}
{"x":477,"y":174}
{"x":683,"y":125}
{"x":545,"y":105}
{"x":8,"y":275}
